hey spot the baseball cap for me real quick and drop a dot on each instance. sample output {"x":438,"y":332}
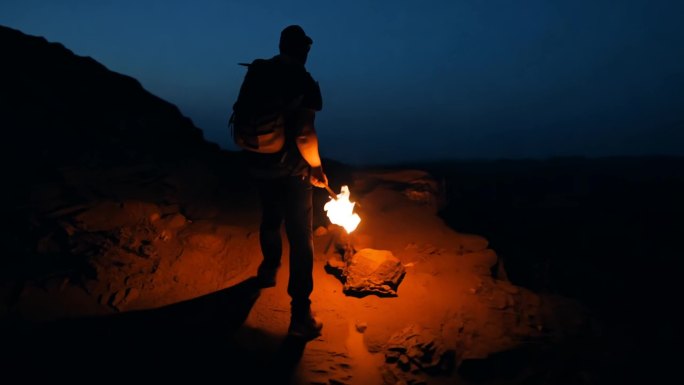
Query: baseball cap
{"x":294,"y":35}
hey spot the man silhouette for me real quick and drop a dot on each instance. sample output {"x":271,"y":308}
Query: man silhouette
{"x":284,"y":179}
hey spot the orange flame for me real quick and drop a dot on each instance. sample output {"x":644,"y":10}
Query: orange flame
{"x":340,"y":211}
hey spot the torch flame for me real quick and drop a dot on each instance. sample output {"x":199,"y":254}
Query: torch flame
{"x":340,"y":211}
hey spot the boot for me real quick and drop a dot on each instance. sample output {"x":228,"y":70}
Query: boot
{"x":305,"y":326}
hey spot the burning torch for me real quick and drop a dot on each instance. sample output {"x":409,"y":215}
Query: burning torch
{"x":331,"y":192}
{"x":340,"y":211}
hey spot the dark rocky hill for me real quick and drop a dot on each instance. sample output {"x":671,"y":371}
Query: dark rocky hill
{"x":59,"y":108}
{"x":76,"y":135}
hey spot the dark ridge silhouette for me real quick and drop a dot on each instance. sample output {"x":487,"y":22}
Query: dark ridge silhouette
{"x":59,"y":108}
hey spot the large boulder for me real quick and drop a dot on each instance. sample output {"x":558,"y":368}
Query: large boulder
{"x":369,"y":271}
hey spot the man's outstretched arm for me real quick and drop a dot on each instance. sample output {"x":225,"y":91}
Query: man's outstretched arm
{"x":307,"y":143}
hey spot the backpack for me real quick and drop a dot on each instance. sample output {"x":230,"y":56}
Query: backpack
{"x":257,"y":122}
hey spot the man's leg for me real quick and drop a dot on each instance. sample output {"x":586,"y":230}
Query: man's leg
{"x":271,"y":195}
{"x":298,"y":225}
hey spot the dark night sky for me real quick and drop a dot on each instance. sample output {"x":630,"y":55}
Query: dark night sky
{"x":409,"y":80}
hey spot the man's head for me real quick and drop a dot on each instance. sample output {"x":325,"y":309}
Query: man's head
{"x":295,"y":43}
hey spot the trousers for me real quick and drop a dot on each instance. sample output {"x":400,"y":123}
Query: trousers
{"x":288,"y":200}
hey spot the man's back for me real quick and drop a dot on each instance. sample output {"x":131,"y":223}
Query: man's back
{"x":274,"y":86}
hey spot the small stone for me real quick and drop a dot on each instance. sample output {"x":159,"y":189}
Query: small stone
{"x":147,"y":250}
{"x":415,"y":352}
{"x":429,"y":347}
{"x":396,"y":348}
{"x":361,"y":326}
{"x":116,"y":298}
{"x":154,"y":217}
{"x":404,"y":363}
{"x":388,"y":375}
{"x":392,"y":356}
{"x":165,"y":235}
{"x":131,"y":294}
{"x":175,"y":221}
{"x":320,"y":231}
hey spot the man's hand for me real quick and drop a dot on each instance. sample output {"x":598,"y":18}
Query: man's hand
{"x":318,"y":178}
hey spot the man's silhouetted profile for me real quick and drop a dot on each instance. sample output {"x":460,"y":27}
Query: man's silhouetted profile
{"x":284,"y":178}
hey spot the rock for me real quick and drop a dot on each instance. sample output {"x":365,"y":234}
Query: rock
{"x":361,"y":327}
{"x":131,"y":295}
{"x":146,"y":249}
{"x":415,"y":352}
{"x":404,"y":363}
{"x":424,"y":191}
{"x":369,"y":271}
{"x":175,"y":221}
{"x":389,"y":377}
{"x":154,"y":217}
{"x":392,"y":356}
{"x":165,"y":235}
{"x":416,"y":185}
{"x":116,"y":298}
{"x":396,"y":347}
{"x":320,"y":231}
{"x":412,"y":353}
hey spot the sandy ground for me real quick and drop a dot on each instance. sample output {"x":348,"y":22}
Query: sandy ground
{"x":448,"y":290}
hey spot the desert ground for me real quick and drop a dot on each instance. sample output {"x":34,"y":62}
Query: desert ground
{"x":131,"y":246}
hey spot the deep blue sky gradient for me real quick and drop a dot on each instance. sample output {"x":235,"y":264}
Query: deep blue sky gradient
{"x":409,"y":80}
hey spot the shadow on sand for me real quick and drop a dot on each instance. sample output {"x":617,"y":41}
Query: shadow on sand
{"x":193,"y":338}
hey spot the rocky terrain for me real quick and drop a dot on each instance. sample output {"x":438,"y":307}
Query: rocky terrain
{"x":130,"y":244}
